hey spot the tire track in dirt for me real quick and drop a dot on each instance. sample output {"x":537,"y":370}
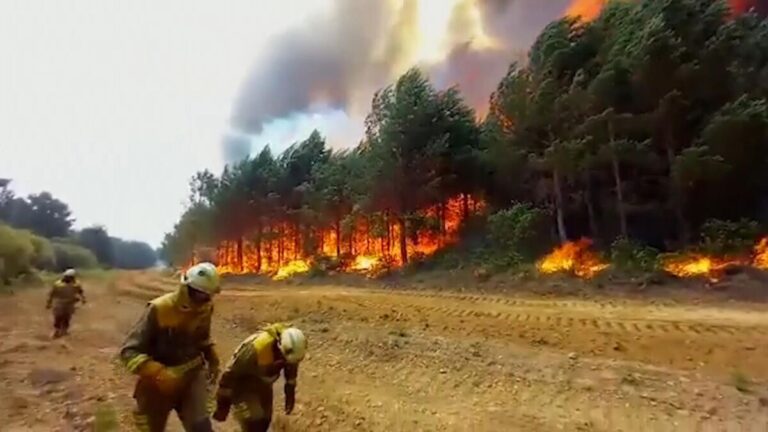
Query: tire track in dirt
{"x":523,"y":312}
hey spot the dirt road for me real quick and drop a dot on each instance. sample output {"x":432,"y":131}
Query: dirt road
{"x":418,"y":361}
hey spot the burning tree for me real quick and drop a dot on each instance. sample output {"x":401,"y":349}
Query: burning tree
{"x":613,"y":124}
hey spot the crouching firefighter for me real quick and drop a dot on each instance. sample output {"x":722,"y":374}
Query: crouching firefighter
{"x":171,"y":351}
{"x":246,"y":384}
{"x":62,"y":298}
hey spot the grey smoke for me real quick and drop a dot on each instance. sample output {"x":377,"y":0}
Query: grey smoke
{"x":331,"y":59}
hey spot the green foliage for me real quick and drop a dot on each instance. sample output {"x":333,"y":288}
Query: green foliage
{"x":729,"y":237}
{"x":96,"y":239}
{"x":132,"y":255}
{"x":43,"y":256}
{"x":16,"y":252}
{"x":521,"y":230}
{"x":73,"y":256}
{"x":612,"y":124}
{"x":41,"y":213}
{"x":631,"y":255}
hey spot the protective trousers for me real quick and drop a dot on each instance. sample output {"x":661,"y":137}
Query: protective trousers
{"x":253,"y":406}
{"x":191,"y":404}
{"x":62,"y":316}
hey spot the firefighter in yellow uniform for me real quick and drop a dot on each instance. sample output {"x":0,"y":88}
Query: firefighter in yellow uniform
{"x":62,"y":298}
{"x":246,"y":384}
{"x":170,"y":348}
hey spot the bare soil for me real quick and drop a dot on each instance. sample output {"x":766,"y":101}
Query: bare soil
{"x":418,"y":360}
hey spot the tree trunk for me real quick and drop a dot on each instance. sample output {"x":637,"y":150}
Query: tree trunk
{"x":441,"y":210}
{"x":258,"y":248}
{"x":590,"y":206}
{"x":677,"y":197}
{"x":338,"y":237}
{"x":403,"y":241}
{"x":280,"y":246}
{"x":617,"y":180}
{"x":464,"y":206}
{"x":559,"y":207}
{"x":619,"y":195}
{"x":240,"y":253}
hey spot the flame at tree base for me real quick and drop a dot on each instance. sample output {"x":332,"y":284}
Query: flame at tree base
{"x":573,"y":257}
{"x":713,"y":268}
{"x":370,"y":244}
{"x":291,"y":269}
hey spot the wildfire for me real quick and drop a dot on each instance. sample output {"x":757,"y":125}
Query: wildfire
{"x":585,"y":9}
{"x":573,"y":257}
{"x":291,"y":269}
{"x":365,"y":263}
{"x":760,"y":254}
{"x":698,"y":265}
{"x":588,"y":10}
{"x":367,"y":245}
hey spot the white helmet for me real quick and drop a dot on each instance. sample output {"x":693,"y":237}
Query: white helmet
{"x":70,"y":272}
{"x":293,"y":345}
{"x":203,"y":277}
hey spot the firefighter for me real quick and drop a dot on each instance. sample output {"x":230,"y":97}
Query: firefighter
{"x":62,"y":298}
{"x":246,"y":384}
{"x":171,"y":351}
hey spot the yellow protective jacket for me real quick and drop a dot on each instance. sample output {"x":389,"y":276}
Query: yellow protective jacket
{"x":65,"y":295}
{"x":172,"y":331}
{"x":257,"y":358}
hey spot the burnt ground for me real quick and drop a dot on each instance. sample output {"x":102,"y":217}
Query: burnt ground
{"x":607,"y":356}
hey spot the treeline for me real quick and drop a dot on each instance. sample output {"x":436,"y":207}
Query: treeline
{"x":36,"y":233}
{"x":644,"y":123}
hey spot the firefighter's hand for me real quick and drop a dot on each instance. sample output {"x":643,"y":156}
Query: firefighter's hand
{"x":166,"y":382}
{"x":222,"y":409}
{"x":157,"y":375}
{"x":290,"y":398}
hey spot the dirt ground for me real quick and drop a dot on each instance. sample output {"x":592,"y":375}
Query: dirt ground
{"x":399,"y":360}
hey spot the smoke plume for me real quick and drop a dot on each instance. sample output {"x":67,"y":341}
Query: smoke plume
{"x":338,"y":60}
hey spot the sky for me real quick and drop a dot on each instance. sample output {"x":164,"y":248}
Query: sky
{"x":112,"y":105}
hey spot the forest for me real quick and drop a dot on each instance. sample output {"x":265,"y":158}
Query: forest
{"x":647,"y":125}
{"x":36,"y":233}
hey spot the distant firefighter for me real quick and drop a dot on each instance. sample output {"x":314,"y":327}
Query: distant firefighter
{"x":62,"y":298}
{"x":246,"y":384}
{"x":170,"y":348}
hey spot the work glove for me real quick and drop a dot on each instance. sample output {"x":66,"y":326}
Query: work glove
{"x":223,"y":405}
{"x":290,"y":398}
{"x":160,"y":377}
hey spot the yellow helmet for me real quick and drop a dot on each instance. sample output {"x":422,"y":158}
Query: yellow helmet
{"x":293,"y":345}
{"x":203,"y":277}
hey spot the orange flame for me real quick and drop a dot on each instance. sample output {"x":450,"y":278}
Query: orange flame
{"x":698,"y":265}
{"x":573,"y":257}
{"x":586,"y":10}
{"x":365,"y":263}
{"x":365,"y":247}
{"x":291,"y":269}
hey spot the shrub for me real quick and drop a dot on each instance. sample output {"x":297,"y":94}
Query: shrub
{"x":72,"y":256}
{"x":630,"y":255}
{"x":43,"y":257}
{"x":521,"y":230}
{"x":729,"y":237}
{"x":16,"y":253}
